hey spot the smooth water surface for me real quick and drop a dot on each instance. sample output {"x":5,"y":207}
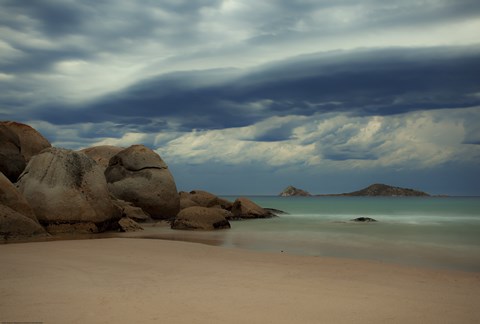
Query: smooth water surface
{"x":424,"y":231}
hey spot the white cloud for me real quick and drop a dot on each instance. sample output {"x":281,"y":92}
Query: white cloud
{"x":412,"y":141}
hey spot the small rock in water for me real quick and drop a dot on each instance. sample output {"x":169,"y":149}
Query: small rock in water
{"x":364,"y":219}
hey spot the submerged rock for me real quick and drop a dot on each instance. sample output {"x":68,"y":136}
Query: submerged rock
{"x":364,"y":219}
{"x":201,"y":218}
{"x":139,"y":175}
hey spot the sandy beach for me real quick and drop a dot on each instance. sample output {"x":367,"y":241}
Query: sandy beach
{"x":127,"y":280}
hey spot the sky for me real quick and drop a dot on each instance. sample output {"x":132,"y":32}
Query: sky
{"x":248,"y":97}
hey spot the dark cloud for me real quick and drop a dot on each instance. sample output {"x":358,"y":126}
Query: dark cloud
{"x":364,"y":82}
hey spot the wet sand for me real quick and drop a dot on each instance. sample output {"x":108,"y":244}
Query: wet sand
{"x":129,"y":280}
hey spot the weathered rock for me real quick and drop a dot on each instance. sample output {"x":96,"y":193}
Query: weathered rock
{"x":12,"y":162}
{"x":11,"y":197}
{"x":291,"y":191}
{"x":203,"y":199}
{"x":140,"y":176}
{"x":31,"y":141}
{"x":128,"y":225}
{"x":201,"y":218}
{"x":128,"y":210}
{"x":14,"y":225}
{"x":185,"y":201}
{"x":77,"y":228}
{"x":276,"y":211}
{"x":65,"y":187}
{"x":102,"y":154}
{"x":245,"y":208}
{"x":364,"y":219}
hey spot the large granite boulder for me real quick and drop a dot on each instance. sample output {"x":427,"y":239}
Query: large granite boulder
{"x":203,"y":199}
{"x":31,"y":141}
{"x":68,"y":192}
{"x":139,"y":175}
{"x":102,"y":154}
{"x":245,"y":208}
{"x":14,"y":225}
{"x":201,"y":218}
{"x":12,"y":162}
{"x":11,"y":197}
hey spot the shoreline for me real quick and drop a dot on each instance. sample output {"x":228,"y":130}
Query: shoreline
{"x":223,"y":239}
{"x":143,"y":280}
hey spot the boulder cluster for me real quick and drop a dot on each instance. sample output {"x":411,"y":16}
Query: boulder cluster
{"x":46,"y":190}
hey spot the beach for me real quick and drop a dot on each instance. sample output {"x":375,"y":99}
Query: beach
{"x":131,"y":280}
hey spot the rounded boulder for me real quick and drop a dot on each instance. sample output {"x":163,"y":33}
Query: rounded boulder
{"x":140,"y":176}
{"x":14,"y":225}
{"x":102,"y":154}
{"x":204,"y":199}
{"x":31,"y":141}
{"x":11,"y":197}
{"x":245,"y":208}
{"x":65,"y":187}
{"x":12,"y":162}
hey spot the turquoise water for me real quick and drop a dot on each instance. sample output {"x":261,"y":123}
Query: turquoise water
{"x":432,"y":232}
{"x":437,"y":232}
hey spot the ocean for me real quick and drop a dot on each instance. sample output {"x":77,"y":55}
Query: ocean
{"x":420,"y":231}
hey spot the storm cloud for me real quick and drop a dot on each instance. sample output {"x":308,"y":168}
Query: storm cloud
{"x":312,"y":87}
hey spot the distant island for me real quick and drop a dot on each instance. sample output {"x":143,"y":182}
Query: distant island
{"x":374,"y":190}
{"x":291,"y":191}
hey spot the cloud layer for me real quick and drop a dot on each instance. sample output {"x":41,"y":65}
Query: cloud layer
{"x":281,"y":90}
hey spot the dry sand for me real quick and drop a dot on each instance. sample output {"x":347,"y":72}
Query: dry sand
{"x":124,"y":280}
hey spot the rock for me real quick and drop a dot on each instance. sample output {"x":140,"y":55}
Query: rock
{"x":14,"y":225}
{"x":102,"y":154}
{"x":201,"y":218}
{"x":138,"y":175}
{"x":80,"y":227}
{"x":67,"y":188}
{"x":203,"y":199}
{"x":364,"y":219}
{"x":11,"y":197}
{"x":276,"y":211}
{"x":291,"y":191}
{"x":128,"y":225}
{"x":31,"y":141}
{"x":12,"y":162}
{"x":245,"y":208}
{"x":185,"y":201}
{"x":128,"y":210}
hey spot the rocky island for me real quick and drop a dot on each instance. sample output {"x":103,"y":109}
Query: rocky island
{"x":291,"y":191}
{"x":379,"y":189}
{"x":374,"y":190}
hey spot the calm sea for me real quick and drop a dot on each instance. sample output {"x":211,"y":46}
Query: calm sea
{"x":432,"y":232}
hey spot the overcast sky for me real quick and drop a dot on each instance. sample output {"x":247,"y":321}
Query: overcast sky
{"x":247,"y":97}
